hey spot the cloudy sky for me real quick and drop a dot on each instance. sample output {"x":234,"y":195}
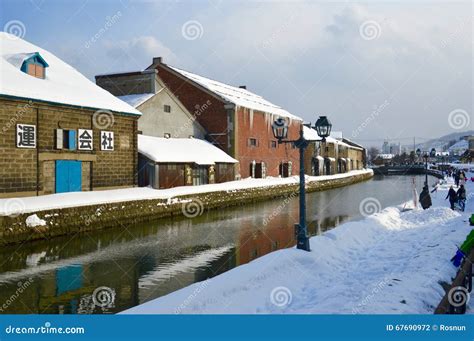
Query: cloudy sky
{"x":379,"y":70}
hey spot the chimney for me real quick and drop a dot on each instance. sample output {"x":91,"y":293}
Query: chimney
{"x":243,"y":87}
{"x":157,"y":60}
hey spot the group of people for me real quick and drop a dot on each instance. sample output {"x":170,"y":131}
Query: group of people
{"x":459,"y":177}
{"x":455,"y":196}
{"x":458,"y":196}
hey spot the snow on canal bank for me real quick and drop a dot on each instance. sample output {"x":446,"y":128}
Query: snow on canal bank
{"x":390,"y":262}
{"x":14,"y":206}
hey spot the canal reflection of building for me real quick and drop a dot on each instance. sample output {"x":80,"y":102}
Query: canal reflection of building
{"x":256,"y":239}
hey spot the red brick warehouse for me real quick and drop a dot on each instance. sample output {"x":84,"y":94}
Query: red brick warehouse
{"x":237,"y":121}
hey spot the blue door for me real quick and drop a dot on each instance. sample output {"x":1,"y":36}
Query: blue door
{"x":68,"y":176}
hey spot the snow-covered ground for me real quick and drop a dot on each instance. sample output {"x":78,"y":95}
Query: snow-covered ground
{"x":390,"y":262}
{"x":62,"y":200}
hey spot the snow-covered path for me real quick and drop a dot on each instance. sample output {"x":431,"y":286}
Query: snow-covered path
{"x":390,"y":262}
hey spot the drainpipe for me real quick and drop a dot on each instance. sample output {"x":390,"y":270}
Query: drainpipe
{"x":37,"y":151}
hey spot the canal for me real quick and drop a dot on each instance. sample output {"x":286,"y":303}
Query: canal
{"x":143,"y":262}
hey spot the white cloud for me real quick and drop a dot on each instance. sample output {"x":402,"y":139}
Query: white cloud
{"x":137,"y":53}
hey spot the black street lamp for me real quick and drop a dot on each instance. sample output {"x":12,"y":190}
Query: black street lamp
{"x":425,"y":157}
{"x":280,"y":131}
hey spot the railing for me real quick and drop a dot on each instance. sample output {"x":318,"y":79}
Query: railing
{"x":456,"y":298}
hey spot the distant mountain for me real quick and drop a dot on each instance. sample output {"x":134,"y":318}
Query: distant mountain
{"x":441,"y":143}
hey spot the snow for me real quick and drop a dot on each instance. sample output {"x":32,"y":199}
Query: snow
{"x":238,"y":96}
{"x":391,"y":262}
{"x":136,"y":99}
{"x":63,"y":84}
{"x":180,"y":150}
{"x":311,"y":134}
{"x":14,"y":206}
{"x":34,"y":221}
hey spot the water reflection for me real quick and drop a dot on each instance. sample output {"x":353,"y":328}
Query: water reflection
{"x":142,"y":262}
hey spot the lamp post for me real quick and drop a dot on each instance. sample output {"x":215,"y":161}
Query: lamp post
{"x":425,"y":157}
{"x":280,"y":131}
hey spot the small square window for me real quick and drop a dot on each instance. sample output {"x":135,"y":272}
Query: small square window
{"x":253,"y":142}
{"x":167,"y":108}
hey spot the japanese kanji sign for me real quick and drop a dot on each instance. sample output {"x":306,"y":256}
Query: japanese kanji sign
{"x":107,"y":140}
{"x":25,"y":136}
{"x":84,"y":139}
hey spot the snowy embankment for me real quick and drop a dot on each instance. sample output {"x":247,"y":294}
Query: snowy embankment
{"x":390,"y":262}
{"x":75,"y":199}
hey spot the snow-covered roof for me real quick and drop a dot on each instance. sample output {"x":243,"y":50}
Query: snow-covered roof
{"x":385,"y":156}
{"x":312,"y":135}
{"x":238,"y":96}
{"x":62,"y":83}
{"x":136,"y":99}
{"x":181,"y":150}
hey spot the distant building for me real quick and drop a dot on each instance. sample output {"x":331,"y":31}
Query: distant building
{"x":163,"y":115}
{"x":237,"y":121}
{"x":391,"y":148}
{"x":383,"y":159}
{"x":171,"y":162}
{"x":60,"y":132}
{"x":333,"y":156}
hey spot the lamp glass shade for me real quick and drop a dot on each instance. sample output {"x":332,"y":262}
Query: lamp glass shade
{"x":323,"y":127}
{"x":280,"y":128}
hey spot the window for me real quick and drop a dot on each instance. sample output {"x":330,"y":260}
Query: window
{"x":252,"y":142}
{"x":167,"y":108}
{"x":36,"y":70}
{"x":35,"y":66}
{"x":167,"y":135}
{"x":273,"y":144}
{"x":65,"y":139}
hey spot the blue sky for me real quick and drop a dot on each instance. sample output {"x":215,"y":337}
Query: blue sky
{"x":378,"y":69}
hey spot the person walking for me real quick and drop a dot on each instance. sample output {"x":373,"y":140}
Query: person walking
{"x":456,"y":178}
{"x":425,"y":198}
{"x":461,"y":194}
{"x":453,"y":196}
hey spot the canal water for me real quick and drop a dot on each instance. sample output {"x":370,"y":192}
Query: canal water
{"x":111,"y":270}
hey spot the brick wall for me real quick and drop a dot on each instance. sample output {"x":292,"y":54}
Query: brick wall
{"x":247,"y":124}
{"x":213,"y":118}
{"x":20,"y":168}
{"x":258,"y":125}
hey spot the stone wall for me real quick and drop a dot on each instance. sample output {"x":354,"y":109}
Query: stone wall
{"x":88,"y":218}
{"x":28,"y":172}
